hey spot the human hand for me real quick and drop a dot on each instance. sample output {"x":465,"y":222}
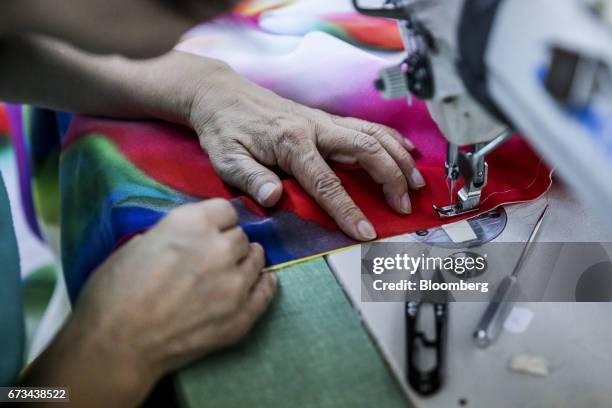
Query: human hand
{"x":246,"y":128}
{"x":191,"y":285}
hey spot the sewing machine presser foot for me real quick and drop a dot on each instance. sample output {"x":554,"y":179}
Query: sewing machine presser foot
{"x":474,"y":170}
{"x":451,"y":211}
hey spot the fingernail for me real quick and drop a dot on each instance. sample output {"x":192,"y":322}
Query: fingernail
{"x":265,"y":192}
{"x":405,"y":205}
{"x":366,"y":230}
{"x":417,"y":178}
{"x":408,"y":144}
{"x":344,"y":158}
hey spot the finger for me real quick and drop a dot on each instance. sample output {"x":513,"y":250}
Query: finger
{"x":219,"y":212}
{"x":250,"y":268}
{"x":373,"y":158}
{"x":239,"y":243}
{"x":367,"y":127}
{"x":315,"y":176}
{"x":256,"y":303}
{"x":399,"y":154}
{"x":261,"y":296}
{"x":404,"y":160}
{"x":343,"y":158}
{"x":387,"y":137}
{"x":201,"y":216}
{"x":238,"y":168}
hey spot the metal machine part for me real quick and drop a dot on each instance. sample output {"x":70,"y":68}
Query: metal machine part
{"x":543,"y":69}
{"x":414,"y":75}
{"x":429,"y":73}
{"x":473,"y":168}
{"x":558,"y":91}
{"x":451,"y":167}
{"x":487,"y":227}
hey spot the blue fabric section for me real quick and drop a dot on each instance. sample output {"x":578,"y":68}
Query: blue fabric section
{"x":124,"y":221}
{"x":265,"y":233}
{"x":63,"y":121}
{"x":12,"y":331}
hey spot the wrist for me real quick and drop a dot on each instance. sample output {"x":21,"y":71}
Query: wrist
{"x":181,"y":81}
{"x":211,"y":93}
{"x":94,"y":369}
{"x":110,"y":366}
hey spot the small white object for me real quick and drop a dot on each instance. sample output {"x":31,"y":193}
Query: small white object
{"x":518,"y":320}
{"x":460,"y":232}
{"x":530,"y":364}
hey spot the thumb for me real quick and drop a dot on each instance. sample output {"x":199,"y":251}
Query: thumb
{"x":241,"y":170}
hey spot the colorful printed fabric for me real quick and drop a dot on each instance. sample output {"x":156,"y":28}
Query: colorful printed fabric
{"x":119,"y":178}
{"x":337,"y":18}
{"x":36,"y":135}
{"x":4,"y":127}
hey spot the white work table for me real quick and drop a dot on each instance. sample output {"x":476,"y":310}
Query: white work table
{"x":575,"y":338}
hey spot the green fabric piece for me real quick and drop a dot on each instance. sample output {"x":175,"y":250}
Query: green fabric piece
{"x":45,"y":189}
{"x":12,"y":333}
{"x":309,"y":350}
{"x":96,"y":150}
{"x":38,"y":287}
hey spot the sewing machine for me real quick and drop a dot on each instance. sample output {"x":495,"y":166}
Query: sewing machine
{"x":488,"y":67}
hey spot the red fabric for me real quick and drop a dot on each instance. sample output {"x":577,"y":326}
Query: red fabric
{"x":4,"y":125}
{"x":172,"y":156}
